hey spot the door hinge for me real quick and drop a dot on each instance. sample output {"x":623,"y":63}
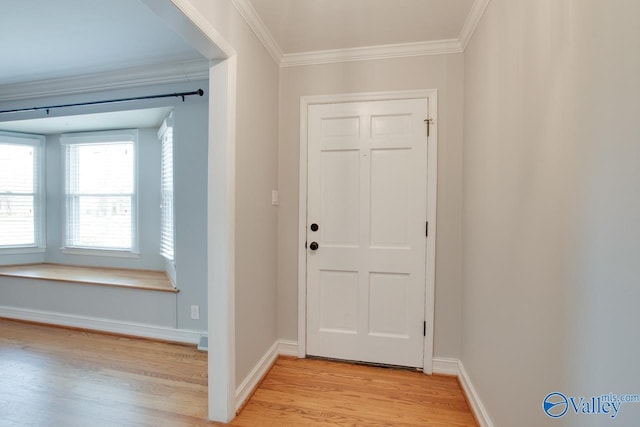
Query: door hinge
{"x":426,"y":229}
{"x":424,"y":328}
{"x":428,"y":122}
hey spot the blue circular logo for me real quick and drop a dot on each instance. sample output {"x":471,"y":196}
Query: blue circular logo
{"x":555,"y":405}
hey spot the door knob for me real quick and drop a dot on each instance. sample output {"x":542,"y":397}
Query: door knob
{"x":314,"y":227}
{"x":313,"y":246}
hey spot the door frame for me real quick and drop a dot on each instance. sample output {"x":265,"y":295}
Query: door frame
{"x":432,"y":187}
{"x":187,"y":21}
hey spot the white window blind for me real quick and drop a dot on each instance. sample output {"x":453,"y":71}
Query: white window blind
{"x":100,"y":190}
{"x":21,"y":202}
{"x":167,"y":233}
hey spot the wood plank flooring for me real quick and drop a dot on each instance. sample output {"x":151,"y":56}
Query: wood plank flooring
{"x":59,"y":377}
{"x":300,"y":392}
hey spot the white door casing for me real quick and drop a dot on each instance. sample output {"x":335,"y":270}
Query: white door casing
{"x":367,"y":289}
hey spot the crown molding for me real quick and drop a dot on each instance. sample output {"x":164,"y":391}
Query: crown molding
{"x":471,"y":23}
{"x":182,"y":71}
{"x":176,"y":72}
{"x":248,"y":12}
{"x":436,"y":47}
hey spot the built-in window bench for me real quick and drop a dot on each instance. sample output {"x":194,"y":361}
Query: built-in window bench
{"x":98,"y":276}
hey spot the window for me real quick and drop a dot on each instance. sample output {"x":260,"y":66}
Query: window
{"x":100,"y":190}
{"x":21,"y":201}
{"x":165,"y":134}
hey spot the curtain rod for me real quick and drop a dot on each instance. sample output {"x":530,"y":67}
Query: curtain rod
{"x":198,"y":92}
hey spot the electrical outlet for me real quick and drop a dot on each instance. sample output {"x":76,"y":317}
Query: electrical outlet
{"x":195,"y":312}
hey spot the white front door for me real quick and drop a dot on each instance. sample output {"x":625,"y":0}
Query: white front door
{"x":367,"y":202}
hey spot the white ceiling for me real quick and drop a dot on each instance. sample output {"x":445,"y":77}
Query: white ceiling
{"x":45,"y":40}
{"x":49,"y":39}
{"x":313,"y":25}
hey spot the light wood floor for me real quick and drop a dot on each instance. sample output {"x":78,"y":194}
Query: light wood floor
{"x":59,"y":377}
{"x":102,"y":276}
{"x":301,"y":392}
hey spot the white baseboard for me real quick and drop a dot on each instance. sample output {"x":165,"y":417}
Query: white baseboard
{"x":279,"y":348}
{"x":445,"y":366}
{"x":103,"y":325}
{"x":477,"y":407}
{"x":257,"y":373}
{"x":288,"y":348}
{"x":451,"y":366}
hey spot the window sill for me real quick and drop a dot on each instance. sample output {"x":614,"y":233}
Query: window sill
{"x":118,"y":277}
{"x":99,"y":252}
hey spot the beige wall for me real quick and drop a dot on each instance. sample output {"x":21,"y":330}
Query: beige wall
{"x":537,"y":253}
{"x":442,"y":72}
{"x":256,"y":176}
{"x":551,"y":206}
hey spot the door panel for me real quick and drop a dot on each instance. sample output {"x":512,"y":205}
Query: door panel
{"x":339,"y":197}
{"x":390,"y":198}
{"x":389,"y":290}
{"x":338,"y":301}
{"x":367,"y":181}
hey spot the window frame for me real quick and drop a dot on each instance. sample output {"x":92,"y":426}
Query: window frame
{"x":100,"y":137}
{"x":39,"y":193}
{"x":167,"y":124}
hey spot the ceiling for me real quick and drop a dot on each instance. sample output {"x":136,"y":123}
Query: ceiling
{"x":314,"y":25}
{"x":65,"y":39}
{"x":54,"y":39}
